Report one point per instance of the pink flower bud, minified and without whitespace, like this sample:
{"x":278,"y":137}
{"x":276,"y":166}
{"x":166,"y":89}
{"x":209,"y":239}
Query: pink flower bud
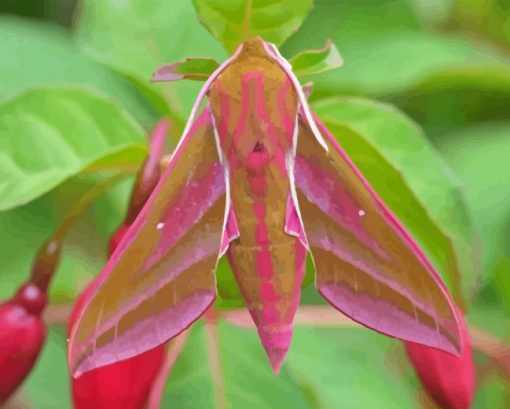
{"x":448,"y":379}
{"x":22,"y":335}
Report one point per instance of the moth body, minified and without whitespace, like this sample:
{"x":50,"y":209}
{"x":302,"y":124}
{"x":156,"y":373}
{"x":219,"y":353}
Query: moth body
{"x":254,"y":106}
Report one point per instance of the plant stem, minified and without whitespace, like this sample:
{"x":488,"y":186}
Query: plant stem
{"x":211,"y":334}
{"x":174,"y":351}
{"x":318,"y":317}
{"x":47,"y":259}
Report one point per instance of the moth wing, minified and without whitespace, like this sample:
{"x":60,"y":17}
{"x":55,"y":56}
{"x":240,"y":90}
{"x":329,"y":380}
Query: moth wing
{"x":161,"y":277}
{"x":367,"y":265}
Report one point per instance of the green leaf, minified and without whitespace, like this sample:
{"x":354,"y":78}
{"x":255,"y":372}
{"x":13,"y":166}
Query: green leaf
{"x":492,"y":320}
{"x":230,"y":295}
{"x":325,"y":368}
{"x":485,"y":18}
{"x":386,"y":56}
{"x":190,"y":383}
{"x":412,"y":179}
{"x":22,"y":231}
{"x":246,"y":377}
{"x":392,"y":63}
{"x":49,"y":135}
{"x":190,"y":68}
{"x":25,"y":228}
{"x":310,"y":62}
{"x":469,"y":94}
{"x":36,"y":54}
{"x":494,"y":391}
{"x":78,"y":202}
{"x":433,"y":12}
{"x":227,"y":285}
{"x":479,"y":155}
{"x":349,"y":368}
{"x":48,"y":386}
{"x":234,"y":21}
{"x":135,"y":37}
{"x":351,"y":20}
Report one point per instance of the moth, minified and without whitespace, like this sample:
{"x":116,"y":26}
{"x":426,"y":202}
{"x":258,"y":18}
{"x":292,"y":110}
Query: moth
{"x":258,"y":177}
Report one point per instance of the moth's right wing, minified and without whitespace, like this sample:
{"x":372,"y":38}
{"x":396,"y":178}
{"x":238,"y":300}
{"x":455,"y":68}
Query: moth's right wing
{"x":367,"y":265}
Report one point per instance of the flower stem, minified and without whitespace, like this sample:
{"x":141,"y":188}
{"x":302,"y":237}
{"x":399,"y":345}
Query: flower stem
{"x":47,"y":259}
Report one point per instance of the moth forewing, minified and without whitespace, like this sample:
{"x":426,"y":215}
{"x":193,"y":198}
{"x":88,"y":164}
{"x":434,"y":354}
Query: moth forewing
{"x":161,"y":278}
{"x":367,"y":265}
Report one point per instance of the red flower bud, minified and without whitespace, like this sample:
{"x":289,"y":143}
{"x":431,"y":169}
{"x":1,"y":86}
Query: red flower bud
{"x":448,"y":379}
{"x":22,"y":335}
{"x":123,"y":385}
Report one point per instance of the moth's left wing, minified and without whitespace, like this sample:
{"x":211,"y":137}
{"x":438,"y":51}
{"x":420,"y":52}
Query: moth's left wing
{"x":367,"y":265}
{"x":161,"y":277}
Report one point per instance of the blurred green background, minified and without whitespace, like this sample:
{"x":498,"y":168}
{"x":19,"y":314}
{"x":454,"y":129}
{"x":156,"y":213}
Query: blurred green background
{"x":422,"y":104}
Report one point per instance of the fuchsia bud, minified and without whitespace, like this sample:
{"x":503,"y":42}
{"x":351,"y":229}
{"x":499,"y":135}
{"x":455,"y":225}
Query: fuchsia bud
{"x":22,"y":335}
{"x":149,"y":174}
{"x":123,"y":385}
{"x":448,"y":379}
